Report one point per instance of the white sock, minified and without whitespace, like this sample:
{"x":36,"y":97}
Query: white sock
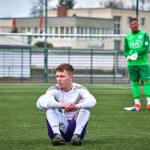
{"x":137,"y":101}
{"x":53,"y":120}
{"x":81,"y":121}
{"x":63,"y":123}
{"x":148,"y":100}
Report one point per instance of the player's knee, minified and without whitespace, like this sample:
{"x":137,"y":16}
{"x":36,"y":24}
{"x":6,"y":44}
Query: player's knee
{"x":51,"y":110}
{"x":85,"y":111}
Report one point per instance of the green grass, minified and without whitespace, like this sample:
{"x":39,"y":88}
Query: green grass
{"x":23,"y":126}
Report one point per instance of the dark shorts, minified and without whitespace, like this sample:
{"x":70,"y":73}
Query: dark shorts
{"x":138,"y":72}
{"x":69,"y":133}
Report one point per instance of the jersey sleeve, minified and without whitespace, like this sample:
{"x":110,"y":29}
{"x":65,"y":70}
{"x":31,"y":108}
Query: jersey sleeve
{"x":89,"y":102}
{"x":126,"y":49}
{"x":48,"y":100}
{"x":145,"y":48}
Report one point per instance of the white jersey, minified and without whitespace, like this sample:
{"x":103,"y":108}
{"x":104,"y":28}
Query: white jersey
{"x":55,"y":96}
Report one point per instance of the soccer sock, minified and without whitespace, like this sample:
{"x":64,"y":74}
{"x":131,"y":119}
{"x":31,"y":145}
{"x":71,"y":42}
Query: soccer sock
{"x":148,"y":100}
{"x":63,"y":123}
{"x":53,"y":120}
{"x":135,"y":90}
{"x":137,"y":101}
{"x":147,"y":88}
{"x":81,"y":121}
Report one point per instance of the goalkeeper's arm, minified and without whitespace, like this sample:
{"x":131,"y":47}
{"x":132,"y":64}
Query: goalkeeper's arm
{"x":126,"y":49}
{"x":145,"y":48}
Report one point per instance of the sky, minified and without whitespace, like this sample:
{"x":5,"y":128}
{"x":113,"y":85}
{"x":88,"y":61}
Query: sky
{"x":21,"y":8}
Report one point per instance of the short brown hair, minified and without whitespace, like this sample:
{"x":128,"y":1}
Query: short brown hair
{"x":65,"y":66}
{"x":133,"y":19}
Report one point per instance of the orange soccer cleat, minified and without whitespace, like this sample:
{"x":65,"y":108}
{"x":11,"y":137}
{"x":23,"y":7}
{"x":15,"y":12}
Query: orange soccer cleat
{"x":148,"y":107}
{"x":137,"y":106}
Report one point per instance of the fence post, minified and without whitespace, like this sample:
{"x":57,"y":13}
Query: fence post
{"x":22,"y":65}
{"x":115,"y":65}
{"x":45,"y":48}
{"x":69,"y":56}
{"x":91,"y":78}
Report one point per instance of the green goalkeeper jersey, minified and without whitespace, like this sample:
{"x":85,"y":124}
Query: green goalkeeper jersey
{"x":138,"y":42}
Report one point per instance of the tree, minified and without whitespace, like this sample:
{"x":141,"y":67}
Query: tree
{"x":38,"y":8}
{"x":114,"y":4}
{"x":143,"y":5}
{"x":69,"y":3}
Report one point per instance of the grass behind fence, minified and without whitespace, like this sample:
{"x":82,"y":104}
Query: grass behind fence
{"x":23,"y":126}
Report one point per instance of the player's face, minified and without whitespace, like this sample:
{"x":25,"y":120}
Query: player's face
{"x":134,"y":25}
{"x":64,"y":80}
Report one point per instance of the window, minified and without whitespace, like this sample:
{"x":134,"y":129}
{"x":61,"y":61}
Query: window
{"x":67,"y":30}
{"x":28,"y":29}
{"x":51,"y":30}
{"x":116,"y":25}
{"x":35,"y":30}
{"x":128,"y":20}
{"x":86,"y":30}
{"x":78,"y":30}
{"x":56,"y":30}
{"x":90,"y":30}
{"x":117,"y":45}
{"x":62,"y":30}
{"x":22,"y":30}
{"x":142,"y":21}
{"x":82,"y":30}
{"x":72,"y":30}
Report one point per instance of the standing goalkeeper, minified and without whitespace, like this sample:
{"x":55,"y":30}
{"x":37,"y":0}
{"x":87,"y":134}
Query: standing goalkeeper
{"x":136,"y":47}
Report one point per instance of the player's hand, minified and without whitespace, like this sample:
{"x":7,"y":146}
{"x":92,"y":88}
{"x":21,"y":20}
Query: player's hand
{"x":72,"y":109}
{"x":134,"y":56}
{"x":128,"y":58}
{"x":67,"y":106}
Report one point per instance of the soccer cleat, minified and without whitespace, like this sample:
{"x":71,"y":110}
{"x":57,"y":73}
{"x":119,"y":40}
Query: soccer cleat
{"x":76,"y":140}
{"x":148,"y":107}
{"x":58,"y":140}
{"x":138,"y":106}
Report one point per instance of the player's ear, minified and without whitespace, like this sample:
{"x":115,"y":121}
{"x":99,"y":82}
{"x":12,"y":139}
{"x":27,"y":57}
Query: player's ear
{"x":71,"y":76}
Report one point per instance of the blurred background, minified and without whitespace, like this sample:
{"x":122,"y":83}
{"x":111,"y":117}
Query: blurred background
{"x":38,"y":35}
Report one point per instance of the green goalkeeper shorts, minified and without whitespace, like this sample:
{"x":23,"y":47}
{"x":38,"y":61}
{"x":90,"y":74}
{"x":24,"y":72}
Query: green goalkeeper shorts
{"x":138,"y":72}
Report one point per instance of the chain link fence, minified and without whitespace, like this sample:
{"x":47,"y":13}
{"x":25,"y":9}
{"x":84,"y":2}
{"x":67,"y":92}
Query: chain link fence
{"x":25,"y":64}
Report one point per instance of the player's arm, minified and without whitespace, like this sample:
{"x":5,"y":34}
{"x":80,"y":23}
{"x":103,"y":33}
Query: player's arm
{"x":126,"y":48}
{"x":89,"y":102}
{"x":145,"y":48}
{"x":47,"y":100}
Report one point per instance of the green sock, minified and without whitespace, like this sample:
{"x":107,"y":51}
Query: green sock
{"x":135,"y":89}
{"x":147,"y":88}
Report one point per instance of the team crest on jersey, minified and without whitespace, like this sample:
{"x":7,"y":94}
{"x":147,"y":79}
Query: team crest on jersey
{"x":146,"y":43}
{"x":140,"y":36}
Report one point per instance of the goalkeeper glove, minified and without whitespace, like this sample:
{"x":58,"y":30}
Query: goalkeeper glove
{"x":128,"y":58}
{"x":134,"y":56}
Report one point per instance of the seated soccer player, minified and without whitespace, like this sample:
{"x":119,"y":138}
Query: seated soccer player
{"x":67,"y":106}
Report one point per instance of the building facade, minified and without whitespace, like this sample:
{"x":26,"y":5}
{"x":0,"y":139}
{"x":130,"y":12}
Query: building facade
{"x":120,"y":18}
{"x":82,"y":28}
{"x":69,"y":31}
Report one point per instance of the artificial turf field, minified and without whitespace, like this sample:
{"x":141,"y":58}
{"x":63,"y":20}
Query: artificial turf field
{"x":23,"y":126}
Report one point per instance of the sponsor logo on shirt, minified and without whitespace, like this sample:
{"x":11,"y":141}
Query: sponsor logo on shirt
{"x":136,"y":44}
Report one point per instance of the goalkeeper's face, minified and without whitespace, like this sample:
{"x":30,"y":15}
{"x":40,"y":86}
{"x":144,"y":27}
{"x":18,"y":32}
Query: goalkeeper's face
{"x":64,"y":80}
{"x":134,"y":26}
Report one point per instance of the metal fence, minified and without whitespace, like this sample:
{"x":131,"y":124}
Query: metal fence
{"x":26,"y":65}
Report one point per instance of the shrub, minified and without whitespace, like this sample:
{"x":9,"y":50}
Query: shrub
{"x":42,"y":44}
